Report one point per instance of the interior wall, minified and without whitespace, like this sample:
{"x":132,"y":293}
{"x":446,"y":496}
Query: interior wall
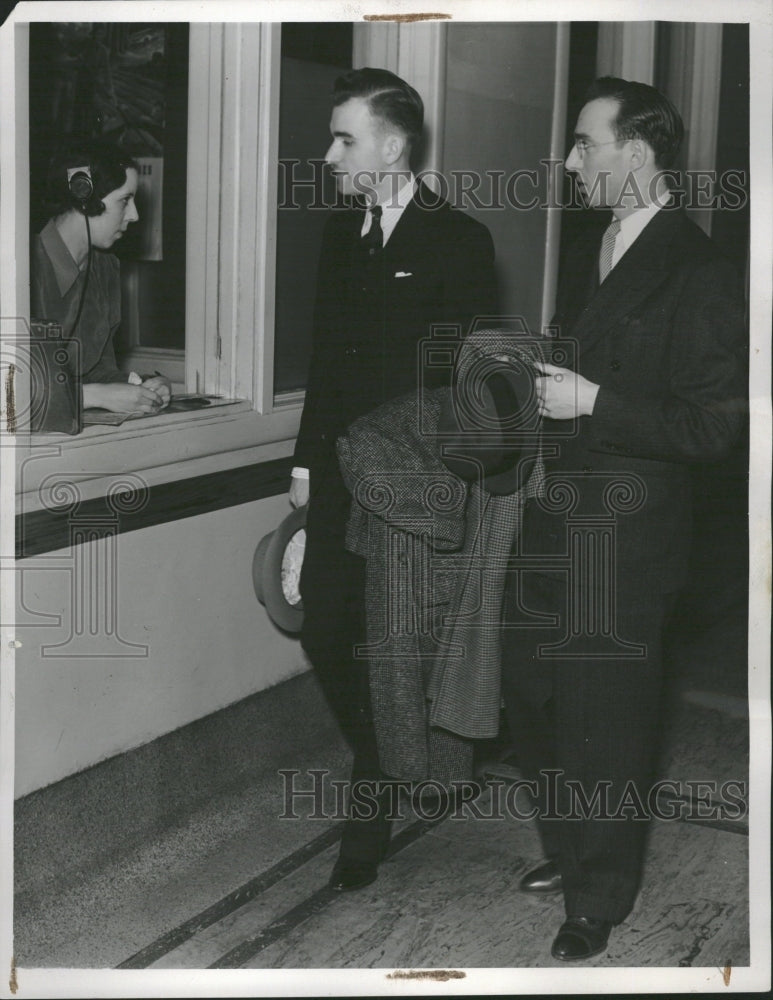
{"x":184,"y":590}
{"x":499,"y":107}
{"x":730,"y":223}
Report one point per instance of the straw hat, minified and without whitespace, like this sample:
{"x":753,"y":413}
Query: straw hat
{"x":276,"y":570}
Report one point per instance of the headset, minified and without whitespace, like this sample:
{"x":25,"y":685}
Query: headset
{"x":80,"y":184}
{"x":81,"y":189}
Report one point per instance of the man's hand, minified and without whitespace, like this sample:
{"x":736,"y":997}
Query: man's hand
{"x":299,"y":491}
{"x":160,"y":385}
{"x":122,"y":397}
{"x":563,"y":394}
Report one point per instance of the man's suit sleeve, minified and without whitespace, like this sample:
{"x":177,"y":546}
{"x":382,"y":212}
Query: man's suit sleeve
{"x":310,"y":433}
{"x":700,"y":412}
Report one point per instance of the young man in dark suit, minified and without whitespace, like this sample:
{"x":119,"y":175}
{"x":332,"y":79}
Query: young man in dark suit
{"x":651,"y":315}
{"x":389,"y":270}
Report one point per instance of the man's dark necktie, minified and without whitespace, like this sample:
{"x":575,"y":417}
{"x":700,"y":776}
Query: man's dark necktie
{"x":373,"y":240}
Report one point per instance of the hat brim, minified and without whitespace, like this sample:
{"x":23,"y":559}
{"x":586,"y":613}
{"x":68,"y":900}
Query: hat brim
{"x":267,"y":573}
{"x":512,"y":472}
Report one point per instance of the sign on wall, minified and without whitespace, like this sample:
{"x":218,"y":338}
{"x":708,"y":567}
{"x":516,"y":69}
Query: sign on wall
{"x":149,"y":200}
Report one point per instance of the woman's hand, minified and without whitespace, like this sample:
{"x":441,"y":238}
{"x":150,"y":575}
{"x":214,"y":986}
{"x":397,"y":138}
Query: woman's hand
{"x":122,"y":397}
{"x":161,"y":385}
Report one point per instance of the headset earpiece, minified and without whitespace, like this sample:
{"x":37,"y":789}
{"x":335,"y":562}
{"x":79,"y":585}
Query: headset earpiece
{"x":81,"y":186}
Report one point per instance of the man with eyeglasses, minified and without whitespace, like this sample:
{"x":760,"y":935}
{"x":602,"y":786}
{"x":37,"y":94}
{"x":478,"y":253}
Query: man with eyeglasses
{"x":651,"y":317}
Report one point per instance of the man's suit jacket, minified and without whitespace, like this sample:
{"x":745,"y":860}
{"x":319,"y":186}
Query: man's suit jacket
{"x":371,"y":316}
{"x":436,"y":268}
{"x":663,"y":337}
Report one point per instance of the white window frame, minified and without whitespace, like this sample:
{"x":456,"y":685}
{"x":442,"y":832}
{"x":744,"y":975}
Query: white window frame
{"x":230,"y":280}
{"x":233,"y":140}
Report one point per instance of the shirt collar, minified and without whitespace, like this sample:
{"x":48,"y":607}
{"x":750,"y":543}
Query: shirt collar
{"x":65,"y":269}
{"x":632,"y":225}
{"x":392,"y":207}
{"x":396,"y":201}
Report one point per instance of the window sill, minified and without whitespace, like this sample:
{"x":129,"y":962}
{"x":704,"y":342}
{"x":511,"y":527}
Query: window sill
{"x":52,"y":468}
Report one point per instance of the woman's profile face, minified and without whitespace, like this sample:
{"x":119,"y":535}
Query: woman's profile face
{"x":120,"y":211}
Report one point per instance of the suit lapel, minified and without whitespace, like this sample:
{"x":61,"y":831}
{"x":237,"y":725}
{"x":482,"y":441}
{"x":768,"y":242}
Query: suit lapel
{"x":347,"y":241}
{"x":578,"y":279}
{"x":640,"y":271}
{"x":410,"y":231}
{"x":407,"y":236}
{"x":353,"y":226}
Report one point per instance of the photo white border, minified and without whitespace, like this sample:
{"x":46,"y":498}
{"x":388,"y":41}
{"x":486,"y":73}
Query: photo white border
{"x":576,"y":979}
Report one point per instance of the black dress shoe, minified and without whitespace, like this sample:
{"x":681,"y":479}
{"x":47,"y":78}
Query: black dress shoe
{"x":350,"y":875}
{"x":546,"y":878}
{"x":581,"y":937}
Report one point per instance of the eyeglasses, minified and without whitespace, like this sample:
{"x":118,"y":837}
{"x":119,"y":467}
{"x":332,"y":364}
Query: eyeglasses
{"x":583,"y":145}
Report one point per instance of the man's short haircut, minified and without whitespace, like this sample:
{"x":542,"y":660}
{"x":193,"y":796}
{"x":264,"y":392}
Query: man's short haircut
{"x":389,"y":98}
{"x":643,"y":113}
{"x":107,"y":164}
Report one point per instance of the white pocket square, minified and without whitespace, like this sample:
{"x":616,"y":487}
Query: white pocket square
{"x":403,"y":274}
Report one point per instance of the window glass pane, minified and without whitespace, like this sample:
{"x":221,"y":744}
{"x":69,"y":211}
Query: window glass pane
{"x":313,"y":55}
{"x":161,"y":282}
{"x":128,"y":84}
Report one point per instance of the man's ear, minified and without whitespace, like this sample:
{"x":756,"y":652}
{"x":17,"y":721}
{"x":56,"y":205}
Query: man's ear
{"x":639,"y":152}
{"x":394,"y":146}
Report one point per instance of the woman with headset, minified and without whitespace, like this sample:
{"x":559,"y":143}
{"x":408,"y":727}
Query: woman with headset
{"x":77,"y":284}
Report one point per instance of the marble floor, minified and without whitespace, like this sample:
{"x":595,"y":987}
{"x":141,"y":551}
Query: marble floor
{"x":449,"y":898}
{"x":236,"y":886}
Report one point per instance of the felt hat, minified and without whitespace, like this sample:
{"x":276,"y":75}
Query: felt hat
{"x":276,"y":568}
{"x":489,"y":424}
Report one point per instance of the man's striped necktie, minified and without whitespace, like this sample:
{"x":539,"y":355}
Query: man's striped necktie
{"x":608,"y":248}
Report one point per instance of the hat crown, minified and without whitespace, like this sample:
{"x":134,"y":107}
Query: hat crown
{"x":489,"y":424}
